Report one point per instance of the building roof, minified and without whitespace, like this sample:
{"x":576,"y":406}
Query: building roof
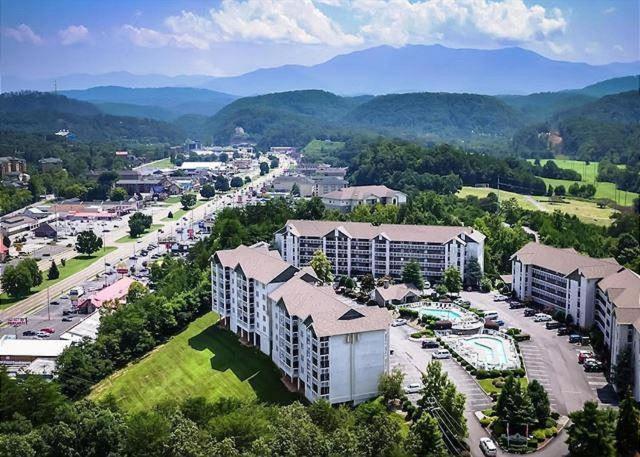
{"x":362,"y":193}
{"x":393,"y":232}
{"x":16,"y":220}
{"x":116,"y":291}
{"x":565,"y":261}
{"x":320,"y":308}
{"x":257,"y":261}
{"x":153,"y":181}
{"x":397,"y":291}
{"x":623,"y":290}
{"x":11,"y":347}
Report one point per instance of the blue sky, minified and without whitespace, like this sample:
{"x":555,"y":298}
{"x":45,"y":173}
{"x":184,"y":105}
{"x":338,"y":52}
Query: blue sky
{"x":42,"y":38}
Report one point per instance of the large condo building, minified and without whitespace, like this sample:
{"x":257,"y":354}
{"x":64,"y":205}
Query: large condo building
{"x":592,"y":291}
{"x":347,"y":198}
{"x":326,"y":348}
{"x":561,"y":279}
{"x":358,"y":248}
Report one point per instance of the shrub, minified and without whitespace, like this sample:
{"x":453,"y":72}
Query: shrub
{"x":406,"y":405}
{"x":469,"y":368}
{"x":486,"y":421}
{"x":482,"y":374}
{"x":494,"y":373}
{"x":408,"y":313}
{"x":539,"y":435}
{"x":555,"y":415}
{"x":473,"y":372}
{"x":532,"y":443}
{"x":416,"y":335}
{"x":498,"y":382}
{"x":513,"y":331}
{"x":521,"y":337}
{"x":551,"y":431}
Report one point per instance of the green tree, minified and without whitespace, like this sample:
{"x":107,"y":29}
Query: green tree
{"x":367,"y":283}
{"x":118,"y":194}
{"x":425,"y":438}
{"x":137,"y":291}
{"x":34,"y":270}
{"x":592,"y":432}
{"x":275,"y":163}
{"x":208,"y":191}
{"x":264,"y":168}
{"x":540,"y":401}
{"x":628,"y":428}
{"x":322,"y":266}
{"x":412,"y":274}
{"x":87,"y":242}
{"x":16,"y":280}
{"x":452,"y":280}
{"x":560,"y":191}
{"x":53,"y":272}
{"x":390,"y":384}
{"x":236,"y":181}
{"x":247,"y":179}
{"x":312,"y":209}
{"x":188,"y":200}
{"x":139,"y":223}
{"x":514,"y":404}
{"x":295,"y":190}
{"x":222,"y":183}
{"x":473,"y":272}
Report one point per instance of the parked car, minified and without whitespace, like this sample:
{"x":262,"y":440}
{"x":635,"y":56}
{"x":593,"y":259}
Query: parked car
{"x":575,"y":338}
{"x":584,"y":355}
{"x":585,"y":341}
{"x":441,"y":354}
{"x":48,"y":330}
{"x":563,"y":331}
{"x":42,"y":334}
{"x":430,"y":344}
{"x":398,"y":322}
{"x":54,"y":302}
{"x":488,"y":447}
{"x":28,"y":333}
{"x":493,"y":315}
{"x":501,"y":298}
{"x":593,"y":365}
{"x":541,"y":317}
{"x":500,"y":322}
{"x":413,"y":388}
{"x":67,"y":319}
{"x":530,"y":312}
{"x":552,"y":325}
{"x":515,"y":305}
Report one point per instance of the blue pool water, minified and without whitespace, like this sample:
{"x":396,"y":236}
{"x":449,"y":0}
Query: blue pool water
{"x":443,"y":314}
{"x":491,"y":350}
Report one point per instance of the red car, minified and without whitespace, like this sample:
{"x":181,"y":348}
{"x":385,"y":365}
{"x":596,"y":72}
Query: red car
{"x":584,"y":355}
{"x":48,"y":330}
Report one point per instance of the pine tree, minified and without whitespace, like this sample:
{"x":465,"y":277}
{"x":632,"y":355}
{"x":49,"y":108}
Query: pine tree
{"x":53,"y":272}
{"x":628,"y":428}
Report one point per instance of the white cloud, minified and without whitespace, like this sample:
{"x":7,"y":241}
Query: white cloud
{"x":73,"y":34}
{"x":282,"y":21}
{"x":617,"y":47}
{"x":22,"y":34}
{"x":402,"y":21}
{"x":610,"y":10}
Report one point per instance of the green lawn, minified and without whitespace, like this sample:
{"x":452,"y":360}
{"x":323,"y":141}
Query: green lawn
{"x":72,"y":266}
{"x":204,"y":360}
{"x":320,"y":150}
{"x":181,"y":212}
{"x":603,"y":190}
{"x":129,"y":238}
{"x":587,"y":211}
{"x":489,"y":388}
{"x":164,"y":163}
{"x":173,"y":199}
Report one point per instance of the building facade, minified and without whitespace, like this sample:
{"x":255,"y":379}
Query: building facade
{"x":560,"y":279}
{"x":358,"y":248}
{"x":324,"y":347}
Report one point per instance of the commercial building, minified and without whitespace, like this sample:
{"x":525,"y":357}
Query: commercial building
{"x":50,"y":164}
{"x":358,"y":248}
{"x":325,"y":348}
{"x":14,"y":350}
{"x":348,"y":198}
{"x":284,"y":184}
{"x":560,"y":279}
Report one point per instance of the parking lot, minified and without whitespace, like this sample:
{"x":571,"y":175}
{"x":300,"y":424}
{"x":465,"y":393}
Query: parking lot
{"x":550,"y":359}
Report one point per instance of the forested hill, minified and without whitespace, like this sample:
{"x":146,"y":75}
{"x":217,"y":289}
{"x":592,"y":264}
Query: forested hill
{"x":623,"y":108}
{"x":437,"y":116}
{"x":46,"y":113}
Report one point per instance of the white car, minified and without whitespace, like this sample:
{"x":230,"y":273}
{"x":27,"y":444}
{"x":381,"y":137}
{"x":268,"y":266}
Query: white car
{"x":541,"y":317}
{"x":413,"y":388}
{"x":488,"y":447}
{"x":399,"y":322}
{"x":441,"y":354}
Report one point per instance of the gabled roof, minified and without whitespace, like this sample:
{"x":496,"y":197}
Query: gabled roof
{"x":319,"y":307}
{"x":362,"y":193}
{"x":623,"y":290}
{"x":393,"y":232}
{"x":397,"y":291}
{"x":256,"y":262}
{"x":565,"y":261}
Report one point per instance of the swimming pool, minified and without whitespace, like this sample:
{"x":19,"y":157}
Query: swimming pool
{"x":487,"y":351}
{"x":442,"y":313}
{"x":490,"y":349}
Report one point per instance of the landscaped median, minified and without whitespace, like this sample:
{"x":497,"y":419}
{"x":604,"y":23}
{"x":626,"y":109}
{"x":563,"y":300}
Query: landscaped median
{"x":71,"y":267}
{"x":181,"y":212}
{"x":130,"y":239}
{"x":204,"y":360}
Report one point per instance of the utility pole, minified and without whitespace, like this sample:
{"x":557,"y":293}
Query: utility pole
{"x":48,"y":306}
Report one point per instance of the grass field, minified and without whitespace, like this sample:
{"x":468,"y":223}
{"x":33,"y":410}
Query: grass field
{"x":588,"y":172}
{"x":129,"y":238}
{"x":204,"y":360}
{"x":489,"y":388}
{"x":181,"y":212}
{"x":587,"y":211}
{"x":164,"y":163}
{"x":72,"y":266}
{"x":603,"y":190}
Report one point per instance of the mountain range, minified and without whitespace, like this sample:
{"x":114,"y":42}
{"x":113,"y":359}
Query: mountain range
{"x":378,"y":70}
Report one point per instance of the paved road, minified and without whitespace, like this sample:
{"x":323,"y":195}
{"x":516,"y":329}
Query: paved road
{"x":37,"y":301}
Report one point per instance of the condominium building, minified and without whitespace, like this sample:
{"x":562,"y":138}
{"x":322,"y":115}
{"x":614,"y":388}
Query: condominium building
{"x":358,"y":248}
{"x":560,"y":279}
{"x":330,"y":350}
{"x":326,"y":348}
{"x":617,"y":315}
{"x":349,"y":197}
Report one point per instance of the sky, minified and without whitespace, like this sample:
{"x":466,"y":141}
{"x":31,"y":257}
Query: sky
{"x":43,"y":38}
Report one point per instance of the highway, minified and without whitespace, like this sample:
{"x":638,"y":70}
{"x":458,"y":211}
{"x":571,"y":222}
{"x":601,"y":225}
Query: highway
{"x":37,"y":301}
